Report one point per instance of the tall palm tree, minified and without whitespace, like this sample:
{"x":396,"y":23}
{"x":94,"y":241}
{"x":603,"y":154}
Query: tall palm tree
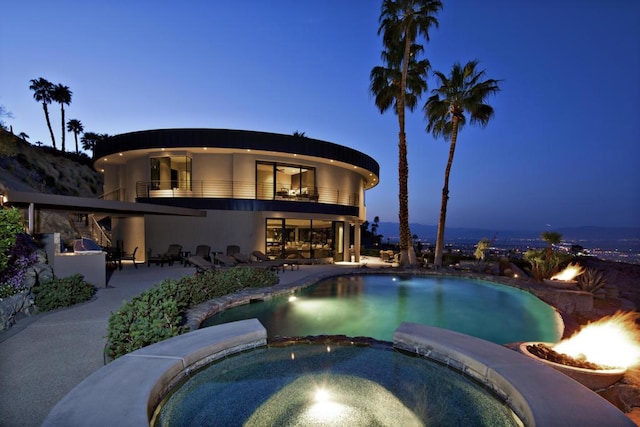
{"x":461,"y":94}
{"x":402,"y":22}
{"x":62,"y":94}
{"x":75,"y":126}
{"x":42,"y":89}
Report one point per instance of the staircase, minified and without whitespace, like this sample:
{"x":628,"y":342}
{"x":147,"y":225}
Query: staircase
{"x":86,"y":225}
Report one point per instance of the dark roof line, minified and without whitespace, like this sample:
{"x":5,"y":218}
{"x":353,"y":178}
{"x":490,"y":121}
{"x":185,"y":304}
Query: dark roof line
{"x":233,"y":139}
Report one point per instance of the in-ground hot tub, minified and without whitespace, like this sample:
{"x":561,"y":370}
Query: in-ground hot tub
{"x":128,"y":390}
{"x":331,"y":382}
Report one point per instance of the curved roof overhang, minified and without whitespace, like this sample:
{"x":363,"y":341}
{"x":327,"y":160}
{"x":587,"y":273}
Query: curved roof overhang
{"x":119,"y":148}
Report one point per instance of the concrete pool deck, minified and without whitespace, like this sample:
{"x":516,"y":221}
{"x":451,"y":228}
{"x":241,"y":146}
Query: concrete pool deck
{"x":44,"y":357}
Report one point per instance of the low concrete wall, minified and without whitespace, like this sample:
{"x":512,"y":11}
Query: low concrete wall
{"x":127,"y":390}
{"x":91,"y":265}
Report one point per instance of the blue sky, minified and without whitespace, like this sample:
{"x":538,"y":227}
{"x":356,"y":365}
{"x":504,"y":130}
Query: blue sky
{"x":562,"y":150}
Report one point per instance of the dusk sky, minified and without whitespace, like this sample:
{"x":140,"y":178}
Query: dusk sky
{"x":562,"y":150}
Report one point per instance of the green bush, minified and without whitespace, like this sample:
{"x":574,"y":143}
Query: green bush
{"x":11,"y":224}
{"x":545,"y":264}
{"x":62,"y":292}
{"x":158,"y":313}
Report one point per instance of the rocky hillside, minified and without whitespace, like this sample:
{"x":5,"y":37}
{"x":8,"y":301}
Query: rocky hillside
{"x":24,"y":167}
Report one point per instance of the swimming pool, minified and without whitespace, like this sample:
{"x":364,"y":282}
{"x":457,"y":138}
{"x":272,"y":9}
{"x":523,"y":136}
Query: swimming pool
{"x":374,"y":306}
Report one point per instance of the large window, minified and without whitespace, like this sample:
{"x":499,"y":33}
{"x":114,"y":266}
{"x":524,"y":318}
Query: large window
{"x":299,"y":238}
{"x":285,"y":182}
{"x":169,"y":173}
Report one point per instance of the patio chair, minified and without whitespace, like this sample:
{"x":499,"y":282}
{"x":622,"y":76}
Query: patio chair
{"x":129,"y":257}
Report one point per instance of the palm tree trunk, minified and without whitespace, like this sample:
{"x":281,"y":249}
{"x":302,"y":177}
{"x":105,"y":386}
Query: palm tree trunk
{"x":75,"y":134}
{"x":403,"y":167}
{"x":445,"y":195}
{"x":63,"y":129}
{"x":46,"y":115}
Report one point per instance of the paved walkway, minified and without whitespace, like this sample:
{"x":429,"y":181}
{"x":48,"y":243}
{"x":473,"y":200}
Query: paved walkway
{"x":45,"y":356}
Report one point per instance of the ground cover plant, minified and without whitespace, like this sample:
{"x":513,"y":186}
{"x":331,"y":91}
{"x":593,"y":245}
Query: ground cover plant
{"x":159,"y":313}
{"x":62,"y":292}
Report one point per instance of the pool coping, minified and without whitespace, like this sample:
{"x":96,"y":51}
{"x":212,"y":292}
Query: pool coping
{"x":127,"y":391}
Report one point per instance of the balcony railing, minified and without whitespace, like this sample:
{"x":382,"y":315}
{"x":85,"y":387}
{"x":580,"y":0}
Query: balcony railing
{"x":244,"y":190}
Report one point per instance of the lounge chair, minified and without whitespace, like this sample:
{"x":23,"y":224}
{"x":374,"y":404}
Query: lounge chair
{"x":232,"y":250}
{"x":242,"y":258}
{"x":264,"y":261}
{"x":203,"y":251}
{"x":173,"y":253}
{"x":226,"y":260}
{"x":201,"y":264}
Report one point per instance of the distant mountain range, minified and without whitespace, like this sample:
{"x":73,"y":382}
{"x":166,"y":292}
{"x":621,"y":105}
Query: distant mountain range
{"x":428,"y":233}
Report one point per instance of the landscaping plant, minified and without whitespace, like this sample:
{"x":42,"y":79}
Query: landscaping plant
{"x":17,"y":252}
{"x":62,"y":292}
{"x":159,"y":313}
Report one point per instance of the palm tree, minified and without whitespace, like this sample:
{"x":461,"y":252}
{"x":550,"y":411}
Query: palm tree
{"x":23,"y":136}
{"x":459,"y":94}
{"x":62,"y":94}
{"x":551,"y":238}
{"x":42,"y":89}
{"x":75,"y":126}
{"x":401,"y":83}
{"x":90,"y":139}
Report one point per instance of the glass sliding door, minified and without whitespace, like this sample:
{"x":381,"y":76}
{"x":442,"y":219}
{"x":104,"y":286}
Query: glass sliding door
{"x":170,"y":173}
{"x":300,"y":238}
{"x":274,"y":238}
{"x":282,"y":181}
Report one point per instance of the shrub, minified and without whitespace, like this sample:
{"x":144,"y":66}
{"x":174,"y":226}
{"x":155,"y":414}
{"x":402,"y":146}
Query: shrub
{"x":62,"y":292}
{"x":545,"y":264}
{"x":11,"y":224}
{"x":592,"y":280}
{"x":158,"y":313}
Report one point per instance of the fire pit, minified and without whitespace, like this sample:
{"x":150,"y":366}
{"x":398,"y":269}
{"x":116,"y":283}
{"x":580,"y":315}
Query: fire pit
{"x":566,"y":278}
{"x":598,"y":355}
{"x":593,"y":378}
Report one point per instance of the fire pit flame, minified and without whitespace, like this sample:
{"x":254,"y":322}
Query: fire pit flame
{"x":570,"y":273}
{"x":612,"y":341}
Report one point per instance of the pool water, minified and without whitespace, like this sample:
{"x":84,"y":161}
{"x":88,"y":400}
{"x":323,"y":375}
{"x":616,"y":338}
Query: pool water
{"x":329,"y":384}
{"x":375,"y":305}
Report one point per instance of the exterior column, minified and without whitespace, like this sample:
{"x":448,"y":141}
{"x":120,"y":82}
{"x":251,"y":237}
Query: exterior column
{"x":357,"y":234}
{"x":32,"y":220}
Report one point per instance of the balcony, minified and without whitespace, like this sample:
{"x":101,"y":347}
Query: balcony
{"x":213,"y":189}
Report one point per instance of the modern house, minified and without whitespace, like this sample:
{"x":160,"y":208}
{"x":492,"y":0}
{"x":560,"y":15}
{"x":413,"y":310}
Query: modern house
{"x":288,"y":196}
